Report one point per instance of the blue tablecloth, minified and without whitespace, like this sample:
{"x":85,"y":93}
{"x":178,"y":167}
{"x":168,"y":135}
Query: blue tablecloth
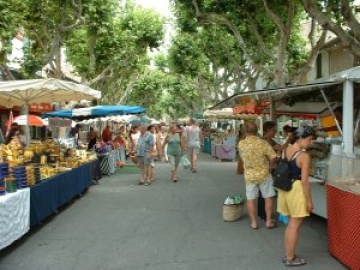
{"x":48,"y":196}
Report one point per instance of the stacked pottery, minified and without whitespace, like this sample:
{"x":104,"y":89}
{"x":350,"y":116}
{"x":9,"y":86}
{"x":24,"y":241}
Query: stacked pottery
{"x":30,"y":177}
{"x":19,"y":174}
{"x":4,"y":172}
{"x":11,"y":185}
{"x":37,"y":174}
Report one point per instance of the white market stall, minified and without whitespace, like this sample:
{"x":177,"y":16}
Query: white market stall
{"x":335,"y":179}
{"x":15,"y":205}
{"x":25,"y":92}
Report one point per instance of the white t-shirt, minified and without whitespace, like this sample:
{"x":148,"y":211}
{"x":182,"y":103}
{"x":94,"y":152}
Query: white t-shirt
{"x":135,"y":139}
{"x":193,"y":136}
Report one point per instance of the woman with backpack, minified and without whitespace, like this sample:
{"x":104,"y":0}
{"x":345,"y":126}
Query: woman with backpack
{"x":297,"y":202}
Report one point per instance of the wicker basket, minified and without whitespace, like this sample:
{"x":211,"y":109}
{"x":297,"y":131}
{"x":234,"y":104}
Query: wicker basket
{"x":232,"y":212}
{"x":134,"y":159}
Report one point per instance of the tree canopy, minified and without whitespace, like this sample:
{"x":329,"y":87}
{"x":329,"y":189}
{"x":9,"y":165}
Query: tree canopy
{"x":219,"y":47}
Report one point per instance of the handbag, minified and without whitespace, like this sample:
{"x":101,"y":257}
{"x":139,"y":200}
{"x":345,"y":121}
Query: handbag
{"x":185,"y":162}
{"x":281,"y":173}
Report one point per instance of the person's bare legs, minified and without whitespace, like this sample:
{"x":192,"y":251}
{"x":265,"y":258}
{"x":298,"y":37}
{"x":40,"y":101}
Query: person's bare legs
{"x":291,"y":236}
{"x":142,"y":173}
{"x":147,"y":173}
{"x":194,"y":159}
{"x":269,"y":202}
{"x":151,"y":173}
{"x":251,"y":206}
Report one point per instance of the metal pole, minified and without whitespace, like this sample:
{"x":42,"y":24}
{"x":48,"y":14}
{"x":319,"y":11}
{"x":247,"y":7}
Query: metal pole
{"x":331,"y":111}
{"x":348,"y":118}
{"x":27,"y":127}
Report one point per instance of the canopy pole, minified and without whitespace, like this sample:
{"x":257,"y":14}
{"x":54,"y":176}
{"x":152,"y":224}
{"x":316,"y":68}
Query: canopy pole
{"x":27,"y":127}
{"x":272,"y":109}
{"x":348,"y":118}
{"x":331,"y":111}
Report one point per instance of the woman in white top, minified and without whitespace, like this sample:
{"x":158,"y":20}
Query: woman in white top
{"x":162,"y":136}
{"x":193,"y":143}
{"x":135,"y":135}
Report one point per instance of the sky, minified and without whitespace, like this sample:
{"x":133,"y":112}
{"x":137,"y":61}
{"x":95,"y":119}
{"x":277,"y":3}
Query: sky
{"x":161,"y":6}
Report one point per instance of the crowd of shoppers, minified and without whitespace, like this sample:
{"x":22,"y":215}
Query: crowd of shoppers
{"x":259,"y":155}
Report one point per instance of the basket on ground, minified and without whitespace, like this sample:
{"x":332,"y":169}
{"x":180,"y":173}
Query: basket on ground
{"x":232,"y":212}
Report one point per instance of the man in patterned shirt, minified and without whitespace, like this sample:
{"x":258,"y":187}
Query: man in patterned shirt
{"x":257,"y":154}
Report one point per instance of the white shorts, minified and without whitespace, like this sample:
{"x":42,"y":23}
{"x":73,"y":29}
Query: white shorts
{"x":266,"y":188}
{"x":195,"y":150}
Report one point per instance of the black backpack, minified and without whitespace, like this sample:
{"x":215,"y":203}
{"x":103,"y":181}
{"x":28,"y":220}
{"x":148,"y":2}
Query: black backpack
{"x":282,"y":172}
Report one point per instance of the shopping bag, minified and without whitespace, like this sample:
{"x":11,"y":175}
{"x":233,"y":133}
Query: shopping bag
{"x":185,"y":162}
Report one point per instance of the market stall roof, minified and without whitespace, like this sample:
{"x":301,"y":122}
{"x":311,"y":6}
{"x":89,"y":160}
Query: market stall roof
{"x":276,"y":94}
{"x":21,"y":92}
{"x":302,"y":108}
{"x":97,"y":111}
{"x":25,"y":92}
{"x":352,"y":74}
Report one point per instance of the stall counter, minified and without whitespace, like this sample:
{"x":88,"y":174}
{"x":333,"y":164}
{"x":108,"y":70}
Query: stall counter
{"x":343,"y":225}
{"x":48,"y":196}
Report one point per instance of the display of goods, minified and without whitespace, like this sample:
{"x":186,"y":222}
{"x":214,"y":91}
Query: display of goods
{"x":2,"y":190}
{"x":2,"y":186}
{"x":28,"y":155}
{"x":43,"y":160}
{"x":102,"y":148}
{"x":4,"y":169}
{"x":10,"y":184}
{"x":53,"y":158}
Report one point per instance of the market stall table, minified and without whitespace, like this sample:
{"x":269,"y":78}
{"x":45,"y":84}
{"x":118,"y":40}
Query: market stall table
{"x":48,"y":196}
{"x":207,"y":145}
{"x":225,"y":151}
{"x":14,"y":216}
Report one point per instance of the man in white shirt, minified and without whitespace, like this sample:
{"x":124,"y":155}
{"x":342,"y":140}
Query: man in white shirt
{"x":193,"y":134}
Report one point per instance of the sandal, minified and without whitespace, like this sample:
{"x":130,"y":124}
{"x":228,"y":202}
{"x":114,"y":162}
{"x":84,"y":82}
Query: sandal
{"x":272,"y":226}
{"x":254,"y":227}
{"x":296,"y":261}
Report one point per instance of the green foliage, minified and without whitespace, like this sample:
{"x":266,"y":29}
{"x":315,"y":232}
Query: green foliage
{"x":111,"y":54}
{"x":10,"y":23}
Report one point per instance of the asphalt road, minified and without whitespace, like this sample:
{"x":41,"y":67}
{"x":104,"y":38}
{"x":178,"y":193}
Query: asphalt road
{"x":119,"y":225}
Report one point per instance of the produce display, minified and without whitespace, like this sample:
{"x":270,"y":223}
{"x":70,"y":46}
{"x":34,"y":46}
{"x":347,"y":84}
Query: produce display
{"x":38,"y":162}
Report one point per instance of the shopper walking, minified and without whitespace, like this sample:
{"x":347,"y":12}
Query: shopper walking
{"x":119,"y":144}
{"x":145,"y":144}
{"x":193,"y":143}
{"x":106,"y":134}
{"x":257,"y":154}
{"x":153,"y":152}
{"x":92,"y":137}
{"x":296,"y":203}
{"x":175,"y":149}
{"x":162,"y":136}
{"x":134,"y":138}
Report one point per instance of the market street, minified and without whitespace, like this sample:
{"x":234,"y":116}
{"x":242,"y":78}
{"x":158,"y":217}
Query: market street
{"x":120,"y":225}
